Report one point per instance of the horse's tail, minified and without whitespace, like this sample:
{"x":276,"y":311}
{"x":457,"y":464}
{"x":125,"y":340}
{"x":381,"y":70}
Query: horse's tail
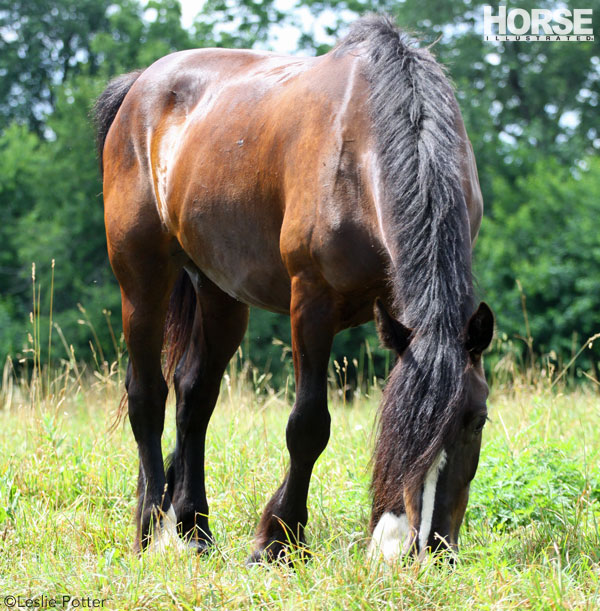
{"x":415,"y":117}
{"x":107,"y":105}
{"x":179,"y":322}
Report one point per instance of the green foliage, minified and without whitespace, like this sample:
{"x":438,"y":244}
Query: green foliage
{"x":20,"y":165}
{"x":227,"y":23}
{"x":542,"y":232}
{"x":530,"y":109}
{"x":268,"y":342}
{"x":511,"y":490}
{"x":46,"y":43}
{"x":132,"y":41}
{"x":43,"y":44}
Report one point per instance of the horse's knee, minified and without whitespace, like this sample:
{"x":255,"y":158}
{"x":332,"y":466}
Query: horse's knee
{"x":307,"y":432}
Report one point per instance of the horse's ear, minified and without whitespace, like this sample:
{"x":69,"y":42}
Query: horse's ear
{"x":393,"y":334}
{"x":480,"y":330}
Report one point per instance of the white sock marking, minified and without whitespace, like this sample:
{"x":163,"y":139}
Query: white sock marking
{"x":429,"y":489}
{"x":391,"y":537}
{"x":166,"y":534}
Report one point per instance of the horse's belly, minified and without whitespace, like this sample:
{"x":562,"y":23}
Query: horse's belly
{"x":255,"y":285}
{"x":238,"y":249}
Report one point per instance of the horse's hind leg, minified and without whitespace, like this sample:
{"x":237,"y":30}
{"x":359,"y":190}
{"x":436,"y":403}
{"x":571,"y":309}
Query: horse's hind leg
{"x":141,"y":255}
{"x":219,"y":326}
{"x":313,"y":326}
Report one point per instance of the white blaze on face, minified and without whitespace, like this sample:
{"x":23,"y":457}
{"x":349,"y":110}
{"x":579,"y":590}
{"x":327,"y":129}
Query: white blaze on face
{"x":392,"y":535}
{"x":428,"y":503}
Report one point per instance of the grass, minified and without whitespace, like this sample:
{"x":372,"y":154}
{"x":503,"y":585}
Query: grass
{"x":530,"y":539}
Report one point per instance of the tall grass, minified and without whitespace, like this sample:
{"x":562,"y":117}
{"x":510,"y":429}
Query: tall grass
{"x":67,"y":485}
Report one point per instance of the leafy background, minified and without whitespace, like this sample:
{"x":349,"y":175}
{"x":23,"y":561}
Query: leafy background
{"x":531,"y":111}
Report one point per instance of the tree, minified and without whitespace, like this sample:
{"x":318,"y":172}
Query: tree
{"x":133,"y":41}
{"x":43,"y":43}
{"x":547,"y":239}
{"x":227,"y":23}
{"x":20,"y":164}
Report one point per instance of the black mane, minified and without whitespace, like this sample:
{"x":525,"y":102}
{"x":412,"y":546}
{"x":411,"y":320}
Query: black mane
{"x":414,"y":110}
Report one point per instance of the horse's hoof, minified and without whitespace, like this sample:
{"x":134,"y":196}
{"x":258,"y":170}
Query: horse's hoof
{"x":201,"y":546}
{"x":276,"y":551}
{"x":256,"y":557}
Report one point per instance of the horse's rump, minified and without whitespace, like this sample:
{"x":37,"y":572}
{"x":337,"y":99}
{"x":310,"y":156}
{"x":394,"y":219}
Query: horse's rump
{"x":257,"y":156}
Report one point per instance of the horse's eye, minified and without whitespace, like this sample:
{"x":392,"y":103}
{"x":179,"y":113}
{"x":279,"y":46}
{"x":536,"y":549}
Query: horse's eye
{"x":479,"y":425}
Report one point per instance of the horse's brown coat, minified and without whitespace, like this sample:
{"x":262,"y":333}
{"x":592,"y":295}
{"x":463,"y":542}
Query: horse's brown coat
{"x":259,"y":175}
{"x":261,"y":158}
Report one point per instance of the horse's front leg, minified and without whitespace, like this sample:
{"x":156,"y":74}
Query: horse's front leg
{"x":313,"y":326}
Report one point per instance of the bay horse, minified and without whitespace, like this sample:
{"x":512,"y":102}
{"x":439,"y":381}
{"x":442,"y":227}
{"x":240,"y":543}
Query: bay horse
{"x":333,"y":188}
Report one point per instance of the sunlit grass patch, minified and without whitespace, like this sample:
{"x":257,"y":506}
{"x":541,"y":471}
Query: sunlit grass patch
{"x":530,"y":537}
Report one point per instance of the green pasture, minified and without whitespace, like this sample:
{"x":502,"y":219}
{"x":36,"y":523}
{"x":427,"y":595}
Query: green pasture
{"x":67,"y":477}
{"x":67,"y":487}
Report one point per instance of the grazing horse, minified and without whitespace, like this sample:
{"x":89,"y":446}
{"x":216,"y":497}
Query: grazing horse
{"x":331,"y":188}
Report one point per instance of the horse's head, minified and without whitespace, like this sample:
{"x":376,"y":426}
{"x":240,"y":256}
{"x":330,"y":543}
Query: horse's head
{"x":430,"y":426}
